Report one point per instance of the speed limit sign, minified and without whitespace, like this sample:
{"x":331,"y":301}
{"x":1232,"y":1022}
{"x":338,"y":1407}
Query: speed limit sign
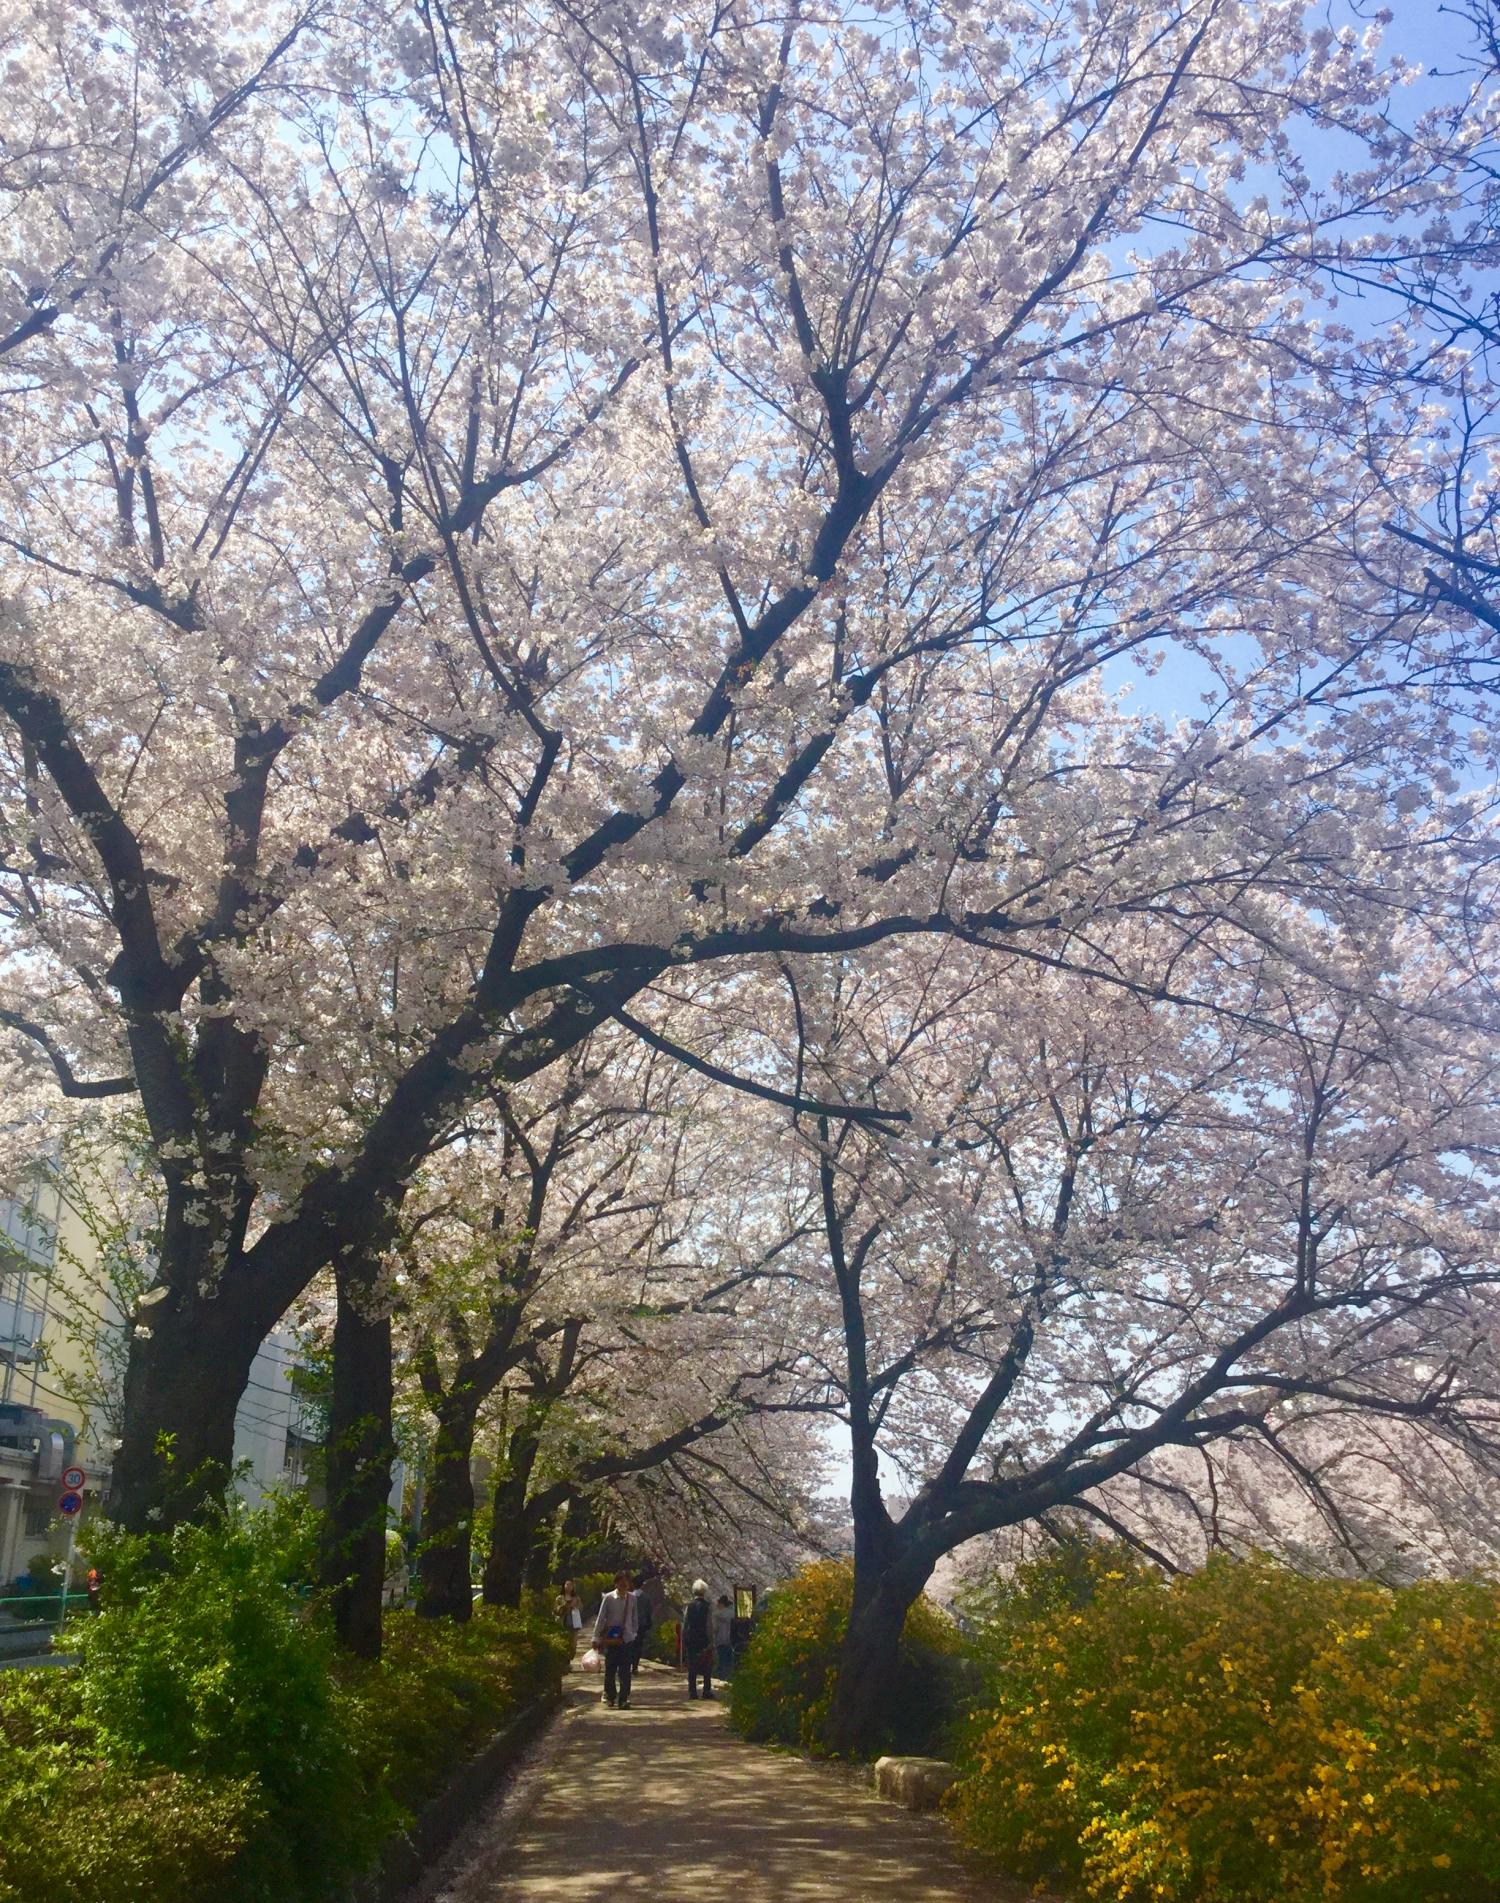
{"x":74,"y":1480}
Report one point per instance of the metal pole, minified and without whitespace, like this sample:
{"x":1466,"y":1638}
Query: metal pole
{"x":62,"y":1618}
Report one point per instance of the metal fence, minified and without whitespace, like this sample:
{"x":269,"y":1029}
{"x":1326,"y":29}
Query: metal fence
{"x":36,"y":1614}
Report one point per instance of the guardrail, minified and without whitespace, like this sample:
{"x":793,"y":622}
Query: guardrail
{"x":39,"y":1611}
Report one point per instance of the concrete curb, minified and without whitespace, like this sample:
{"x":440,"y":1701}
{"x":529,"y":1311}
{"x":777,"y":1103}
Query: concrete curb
{"x":441,"y":1819}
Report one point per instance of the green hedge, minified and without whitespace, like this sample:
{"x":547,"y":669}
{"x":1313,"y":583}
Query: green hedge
{"x":441,"y":1690}
{"x":662,"y":1639}
{"x":214,"y":1746}
{"x":74,"y":1824}
{"x":783,"y":1681}
{"x":1240,"y":1735}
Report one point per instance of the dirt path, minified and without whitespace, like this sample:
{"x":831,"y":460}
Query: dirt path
{"x":663,"y":1802}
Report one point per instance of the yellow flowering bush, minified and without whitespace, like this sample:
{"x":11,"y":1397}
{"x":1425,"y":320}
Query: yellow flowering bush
{"x":783,"y":1684}
{"x":1238,"y":1735}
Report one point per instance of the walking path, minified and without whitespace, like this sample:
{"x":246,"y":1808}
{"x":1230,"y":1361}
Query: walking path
{"x":663,"y":1802}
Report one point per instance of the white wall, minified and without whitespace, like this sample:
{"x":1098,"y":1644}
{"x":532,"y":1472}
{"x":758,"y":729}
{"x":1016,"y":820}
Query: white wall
{"x":266,"y":1412}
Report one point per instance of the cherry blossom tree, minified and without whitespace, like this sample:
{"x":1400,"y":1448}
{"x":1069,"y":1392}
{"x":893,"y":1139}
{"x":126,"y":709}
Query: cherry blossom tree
{"x":1348,"y":1492}
{"x":1423,"y":322}
{"x":113,"y":117}
{"x":606,"y":1236}
{"x":1129,"y":1245}
{"x":747,"y":1507}
{"x":582,"y":1281}
{"x":535,"y":503}
{"x":699,"y":1431}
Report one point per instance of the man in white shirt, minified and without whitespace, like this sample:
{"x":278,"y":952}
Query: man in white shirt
{"x":614,"y":1634}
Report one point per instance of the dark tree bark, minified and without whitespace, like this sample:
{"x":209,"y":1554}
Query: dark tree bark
{"x":186,"y":1373}
{"x":516,"y":1521}
{"x":443,"y":1589}
{"x":543,"y":1550}
{"x":580,"y":1532}
{"x":883,"y":1597}
{"x":361,"y":1448}
{"x":508,"y":1562}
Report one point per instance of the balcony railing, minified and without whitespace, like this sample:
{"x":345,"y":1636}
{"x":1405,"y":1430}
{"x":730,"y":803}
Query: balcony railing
{"x":25,"y":1232}
{"x":20,"y":1329}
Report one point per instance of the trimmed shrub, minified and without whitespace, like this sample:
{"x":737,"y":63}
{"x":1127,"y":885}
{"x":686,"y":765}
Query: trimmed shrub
{"x":1237,"y":1735}
{"x":441,"y":1690}
{"x":206,"y":1661}
{"x":72,"y":1824}
{"x":214,"y":1746}
{"x":783,"y":1682}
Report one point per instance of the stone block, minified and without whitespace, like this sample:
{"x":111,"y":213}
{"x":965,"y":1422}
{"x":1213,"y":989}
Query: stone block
{"x":918,"y":1783}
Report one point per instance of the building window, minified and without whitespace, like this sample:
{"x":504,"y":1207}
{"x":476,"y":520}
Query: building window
{"x":38,"y":1519}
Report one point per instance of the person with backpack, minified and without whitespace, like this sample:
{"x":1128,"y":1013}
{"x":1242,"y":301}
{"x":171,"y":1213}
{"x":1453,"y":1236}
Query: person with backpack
{"x":614,"y":1634}
{"x":698,"y":1640}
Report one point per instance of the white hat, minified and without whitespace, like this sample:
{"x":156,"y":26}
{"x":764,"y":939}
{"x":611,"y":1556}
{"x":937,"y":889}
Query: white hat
{"x":700,"y":1588}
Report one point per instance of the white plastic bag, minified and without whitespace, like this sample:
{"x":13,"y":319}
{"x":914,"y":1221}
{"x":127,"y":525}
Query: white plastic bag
{"x":591,"y":1661}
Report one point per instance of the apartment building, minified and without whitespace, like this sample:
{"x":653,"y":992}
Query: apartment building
{"x":40,"y":1429}
{"x":56,"y":1316}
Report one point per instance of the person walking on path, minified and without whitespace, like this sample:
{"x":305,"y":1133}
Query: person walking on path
{"x":614,"y":1634}
{"x":724,"y":1635}
{"x":569,"y":1612}
{"x":698,"y":1640}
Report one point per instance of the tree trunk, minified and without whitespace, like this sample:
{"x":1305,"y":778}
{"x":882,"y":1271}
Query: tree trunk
{"x":543,"y":1551}
{"x":505,"y":1564}
{"x":888,"y":1578}
{"x":193,"y":1339}
{"x":577,"y":1532}
{"x":858,"y":1713}
{"x":361,"y":1447}
{"x":513,"y":1529}
{"x":188,"y":1365}
{"x":443,"y":1590}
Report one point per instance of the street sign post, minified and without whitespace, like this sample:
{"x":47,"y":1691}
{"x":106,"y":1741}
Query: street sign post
{"x":70,"y":1504}
{"x":74,"y":1480}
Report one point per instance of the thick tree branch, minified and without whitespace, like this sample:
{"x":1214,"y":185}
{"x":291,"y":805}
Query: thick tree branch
{"x":70,"y":1083}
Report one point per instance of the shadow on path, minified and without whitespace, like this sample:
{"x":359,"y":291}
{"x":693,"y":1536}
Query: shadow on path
{"x":664,"y":1802}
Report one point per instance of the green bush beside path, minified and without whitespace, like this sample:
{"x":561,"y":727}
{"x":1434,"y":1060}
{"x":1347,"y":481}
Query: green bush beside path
{"x":214,"y":1744}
